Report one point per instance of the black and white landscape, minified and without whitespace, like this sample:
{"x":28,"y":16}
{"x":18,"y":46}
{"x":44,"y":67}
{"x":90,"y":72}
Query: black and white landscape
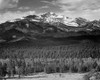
{"x":49,"y":34}
{"x":50,"y":46}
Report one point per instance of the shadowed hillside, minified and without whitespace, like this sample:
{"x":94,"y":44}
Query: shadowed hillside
{"x":74,"y":47}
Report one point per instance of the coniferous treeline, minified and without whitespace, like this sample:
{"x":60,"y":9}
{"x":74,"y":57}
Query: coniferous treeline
{"x":83,"y":50}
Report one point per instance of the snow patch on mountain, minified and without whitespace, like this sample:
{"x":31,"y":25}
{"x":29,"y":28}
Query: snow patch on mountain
{"x":52,"y":18}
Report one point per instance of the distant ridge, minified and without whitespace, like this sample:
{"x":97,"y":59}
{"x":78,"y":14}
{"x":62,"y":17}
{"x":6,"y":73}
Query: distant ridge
{"x":47,"y":26}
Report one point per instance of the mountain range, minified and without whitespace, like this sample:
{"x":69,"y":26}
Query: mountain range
{"x":48,"y":26}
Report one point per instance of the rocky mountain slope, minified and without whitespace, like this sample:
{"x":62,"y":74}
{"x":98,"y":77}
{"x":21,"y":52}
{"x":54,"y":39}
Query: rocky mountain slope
{"x":47,"y":26}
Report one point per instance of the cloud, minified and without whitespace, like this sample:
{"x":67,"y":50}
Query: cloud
{"x":89,"y":9}
{"x":50,"y":2}
{"x":8,"y":3}
{"x":88,"y":14}
{"x":14,"y":15}
{"x":44,"y":7}
{"x":46,"y":2}
{"x":24,"y":8}
{"x":75,"y":4}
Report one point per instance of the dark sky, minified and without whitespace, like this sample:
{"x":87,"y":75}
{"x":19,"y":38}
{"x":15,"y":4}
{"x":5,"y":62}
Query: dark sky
{"x":11,"y":9}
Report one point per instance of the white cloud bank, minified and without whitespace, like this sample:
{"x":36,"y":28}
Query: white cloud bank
{"x":14,"y":15}
{"x":10,"y":15}
{"x":89,"y":9}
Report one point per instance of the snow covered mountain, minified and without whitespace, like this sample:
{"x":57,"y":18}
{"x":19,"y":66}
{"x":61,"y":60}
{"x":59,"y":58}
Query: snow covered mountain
{"x":52,"y":18}
{"x":48,"y":25}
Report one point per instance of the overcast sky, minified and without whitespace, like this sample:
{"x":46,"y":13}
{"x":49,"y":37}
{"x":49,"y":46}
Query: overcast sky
{"x":11,"y":9}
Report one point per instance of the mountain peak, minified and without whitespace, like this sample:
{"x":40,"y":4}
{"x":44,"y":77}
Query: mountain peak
{"x":49,"y":14}
{"x":52,"y":18}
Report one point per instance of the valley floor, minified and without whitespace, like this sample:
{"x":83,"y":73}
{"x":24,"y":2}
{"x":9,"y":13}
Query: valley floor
{"x":55,"y":76}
